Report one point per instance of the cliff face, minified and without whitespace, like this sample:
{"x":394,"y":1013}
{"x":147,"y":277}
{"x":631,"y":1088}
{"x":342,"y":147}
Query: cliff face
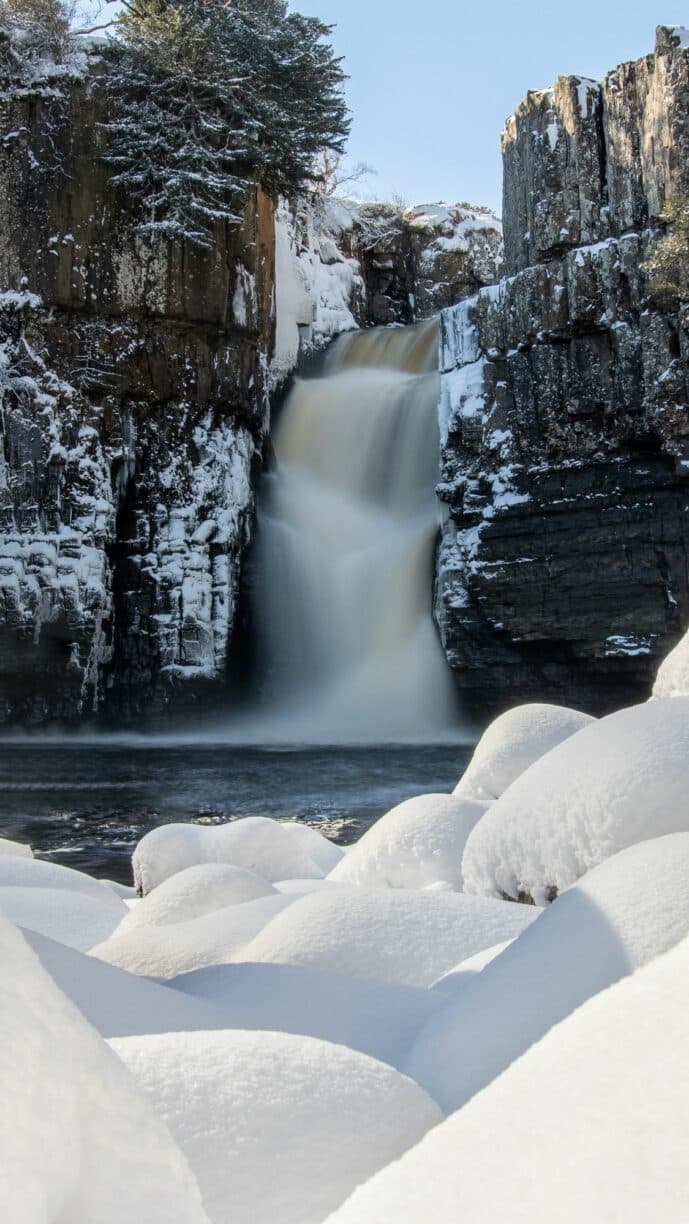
{"x":133,"y":411}
{"x":565,"y":469}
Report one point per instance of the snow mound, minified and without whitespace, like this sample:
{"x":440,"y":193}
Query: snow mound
{"x":75,"y":1134}
{"x":590,"y":1124}
{"x":194,"y":892}
{"x":673,"y":674}
{"x":619,"y":781}
{"x":71,"y":918}
{"x":321,"y":850}
{"x":617,"y":918}
{"x":180,"y":947}
{"x":417,"y":843}
{"x":407,"y":938}
{"x":456,"y":978}
{"x":276,"y":1127}
{"x":22,"y":872}
{"x":513,"y":742}
{"x":15,"y":849}
{"x":255,"y":843}
{"x":373,"y":1017}
{"x":120,"y":1004}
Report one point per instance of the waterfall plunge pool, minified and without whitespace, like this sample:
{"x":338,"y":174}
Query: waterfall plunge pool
{"x":87,"y":803}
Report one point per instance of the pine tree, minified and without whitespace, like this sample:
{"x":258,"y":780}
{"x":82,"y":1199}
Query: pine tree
{"x":209,"y":95}
{"x":667,"y":266}
{"x":45,"y":24}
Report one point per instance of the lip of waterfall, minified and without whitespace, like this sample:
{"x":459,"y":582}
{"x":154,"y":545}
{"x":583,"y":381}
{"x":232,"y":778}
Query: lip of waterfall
{"x":347,"y":525}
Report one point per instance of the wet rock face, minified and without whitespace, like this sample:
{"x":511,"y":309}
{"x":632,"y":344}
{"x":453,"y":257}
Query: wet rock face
{"x":565,"y":469}
{"x":133,"y":414}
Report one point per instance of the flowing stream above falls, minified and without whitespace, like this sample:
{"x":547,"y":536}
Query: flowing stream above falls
{"x":344,"y":561}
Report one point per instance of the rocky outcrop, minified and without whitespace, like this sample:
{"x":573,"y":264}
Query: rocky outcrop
{"x":563,"y":569}
{"x":134,"y":410}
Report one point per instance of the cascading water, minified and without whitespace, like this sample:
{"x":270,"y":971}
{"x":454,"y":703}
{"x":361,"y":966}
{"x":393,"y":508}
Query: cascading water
{"x":347,"y":526}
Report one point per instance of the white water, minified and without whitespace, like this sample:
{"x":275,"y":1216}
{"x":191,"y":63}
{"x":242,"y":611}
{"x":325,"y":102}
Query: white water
{"x":345,"y":557}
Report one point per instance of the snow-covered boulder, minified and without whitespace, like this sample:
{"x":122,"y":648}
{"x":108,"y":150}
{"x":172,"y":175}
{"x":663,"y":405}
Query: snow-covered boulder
{"x":375,"y":1018}
{"x":255,"y":843}
{"x":386,"y":935}
{"x":14,"y":849}
{"x":277,"y":1128}
{"x":76,"y":1136}
{"x":513,"y":742}
{"x":418,"y":843}
{"x":194,"y":892}
{"x":180,"y":947}
{"x":321,"y":850}
{"x":72,"y":918}
{"x":120,"y":1004}
{"x":24,"y":872}
{"x":453,"y":981}
{"x":672,"y":679}
{"x":618,"y":917}
{"x":591,"y":1124}
{"x":616,"y":782}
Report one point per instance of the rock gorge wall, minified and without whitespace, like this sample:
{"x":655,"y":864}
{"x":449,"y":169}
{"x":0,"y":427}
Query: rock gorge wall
{"x":134,"y":410}
{"x":563,"y":568}
{"x":136,"y":382}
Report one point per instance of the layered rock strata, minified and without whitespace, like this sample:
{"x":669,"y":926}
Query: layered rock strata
{"x":563,"y":568}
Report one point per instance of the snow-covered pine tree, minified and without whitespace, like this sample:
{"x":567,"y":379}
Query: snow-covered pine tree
{"x":209,"y":95}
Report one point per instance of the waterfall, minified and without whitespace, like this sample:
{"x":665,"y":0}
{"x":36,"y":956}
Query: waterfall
{"x":344,"y":570}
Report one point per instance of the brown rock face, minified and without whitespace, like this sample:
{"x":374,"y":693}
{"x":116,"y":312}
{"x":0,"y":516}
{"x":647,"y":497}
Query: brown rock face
{"x":133,"y":415}
{"x":563,"y":565}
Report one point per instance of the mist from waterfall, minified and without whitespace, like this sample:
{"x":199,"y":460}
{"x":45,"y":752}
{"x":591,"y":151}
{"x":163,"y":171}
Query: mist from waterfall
{"x":344,"y":567}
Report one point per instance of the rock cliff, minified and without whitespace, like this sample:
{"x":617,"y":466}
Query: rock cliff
{"x":134,"y":408}
{"x":563,"y":569}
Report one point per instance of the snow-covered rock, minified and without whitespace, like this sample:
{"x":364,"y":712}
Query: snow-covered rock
{"x":618,"y":781}
{"x":72,"y":918}
{"x":23,"y":872}
{"x":591,"y":1124}
{"x":513,"y":742}
{"x":255,"y":843}
{"x":418,"y":843}
{"x":119,"y":1004}
{"x":77,"y":1138}
{"x":375,"y":1018}
{"x":180,"y":947}
{"x":386,"y":935}
{"x":672,"y":679}
{"x":14,"y":849}
{"x":319,"y":849}
{"x":193,"y":892}
{"x":618,"y":917}
{"x":277,"y":1127}
{"x":456,"y":978}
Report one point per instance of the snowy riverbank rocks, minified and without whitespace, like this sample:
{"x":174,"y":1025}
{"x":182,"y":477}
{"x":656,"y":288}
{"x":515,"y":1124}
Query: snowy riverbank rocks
{"x":564,"y":407}
{"x":314,"y":1034}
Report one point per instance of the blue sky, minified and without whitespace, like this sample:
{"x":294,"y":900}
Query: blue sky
{"x":432,"y":81}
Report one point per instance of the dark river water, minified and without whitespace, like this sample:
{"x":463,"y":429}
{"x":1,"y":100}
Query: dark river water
{"x":86,"y":804}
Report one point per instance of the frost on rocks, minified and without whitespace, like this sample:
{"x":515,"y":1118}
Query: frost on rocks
{"x":318,"y":289}
{"x":386,"y":935}
{"x":513,"y":742}
{"x":673,"y":674}
{"x":590,"y":1124}
{"x":631,"y":908}
{"x":418,"y":843}
{"x":256,"y":843}
{"x":276,"y":1127}
{"x":193,"y":892}
{"x":78,"y":1135}
{"x":616,"y":782}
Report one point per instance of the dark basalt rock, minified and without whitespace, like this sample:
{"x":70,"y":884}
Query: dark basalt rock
{"x":563,"y":570}
{"x":134,"y":412}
